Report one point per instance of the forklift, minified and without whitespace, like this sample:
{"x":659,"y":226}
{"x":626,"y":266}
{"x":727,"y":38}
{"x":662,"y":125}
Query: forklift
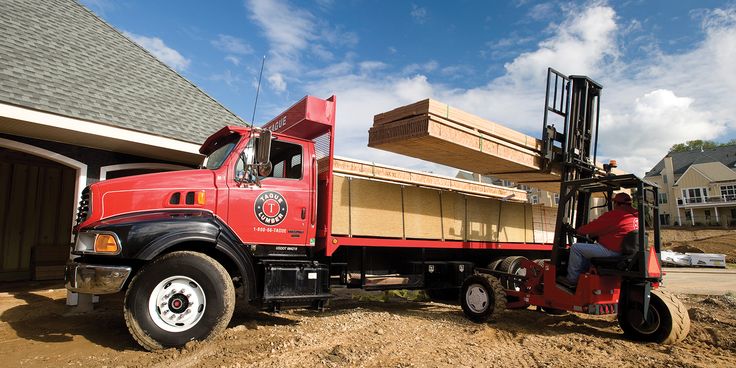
{"x":627,"y":285}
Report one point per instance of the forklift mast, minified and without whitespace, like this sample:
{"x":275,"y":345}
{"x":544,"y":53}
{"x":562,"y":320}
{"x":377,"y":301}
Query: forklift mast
{"x":574,"y":103}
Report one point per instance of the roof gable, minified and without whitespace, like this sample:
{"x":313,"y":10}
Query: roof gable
{"x":67,"y":61}
{"x":681,"y":161}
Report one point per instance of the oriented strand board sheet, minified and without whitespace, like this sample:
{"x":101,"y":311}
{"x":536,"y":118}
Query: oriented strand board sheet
{"x":544,"y":219}
{"x":341,"y":206}
{"x":453,"y":216}
{"x":482,"y":219}
{"x":375,"y":209}
{"x":422,"y":213}
{"x":512,"y":225}
{"x":404,"y":176}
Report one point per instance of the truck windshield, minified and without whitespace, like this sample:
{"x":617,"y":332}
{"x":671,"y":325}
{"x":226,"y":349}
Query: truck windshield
{"x":224,"y":146}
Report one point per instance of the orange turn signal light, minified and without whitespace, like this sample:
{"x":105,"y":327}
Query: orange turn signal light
{"x":105,"y":243}
{"x":201,"y":198}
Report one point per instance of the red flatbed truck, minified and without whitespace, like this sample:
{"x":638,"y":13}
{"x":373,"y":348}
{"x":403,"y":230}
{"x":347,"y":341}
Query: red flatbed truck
{"x":254,"y":224}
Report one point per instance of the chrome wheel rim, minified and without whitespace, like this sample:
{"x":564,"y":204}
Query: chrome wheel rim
{"x":477,"y":298}
{"x":176,"y":304}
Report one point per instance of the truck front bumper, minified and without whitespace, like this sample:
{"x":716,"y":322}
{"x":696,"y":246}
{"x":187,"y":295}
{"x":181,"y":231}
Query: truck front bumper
{"x":95,"y":279}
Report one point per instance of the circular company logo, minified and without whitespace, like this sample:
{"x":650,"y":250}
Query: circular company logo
{"x":270,"y":208}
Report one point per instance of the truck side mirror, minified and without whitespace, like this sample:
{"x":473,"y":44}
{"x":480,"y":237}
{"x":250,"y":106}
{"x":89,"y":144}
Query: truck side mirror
{"x":263,"y":153}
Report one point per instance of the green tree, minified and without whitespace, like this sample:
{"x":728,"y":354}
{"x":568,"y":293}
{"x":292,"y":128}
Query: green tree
{"x":697,"y":144}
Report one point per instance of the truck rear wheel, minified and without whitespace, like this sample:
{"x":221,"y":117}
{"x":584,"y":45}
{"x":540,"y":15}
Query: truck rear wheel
{"x":481,"y":297}
{"x":180,"y":297}
{"x":668,"y":322}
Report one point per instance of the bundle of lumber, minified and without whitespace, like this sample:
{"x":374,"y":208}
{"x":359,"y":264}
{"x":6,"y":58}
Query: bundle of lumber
{"x":436,"y":132}
{"x":399,"y":175}
{"x":383,"y":201}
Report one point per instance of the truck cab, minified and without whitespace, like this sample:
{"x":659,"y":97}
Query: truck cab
{"x":182,"y":242}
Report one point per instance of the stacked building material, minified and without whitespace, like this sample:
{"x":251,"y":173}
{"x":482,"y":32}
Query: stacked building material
{"x":434,"y":131}
{"x":383,"y":201}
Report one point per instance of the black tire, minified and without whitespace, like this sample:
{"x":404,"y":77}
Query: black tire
{"x":669,"y":320}
{"x":205,"y":302}
{"x":494,"y":265}
{"x":510,"y":265}
{"x":482,"y":297}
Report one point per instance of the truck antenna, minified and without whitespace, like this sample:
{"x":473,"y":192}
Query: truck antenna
{"x":258,"y":90}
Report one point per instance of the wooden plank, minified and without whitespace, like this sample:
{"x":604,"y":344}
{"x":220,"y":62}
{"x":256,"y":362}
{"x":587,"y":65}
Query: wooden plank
{"x":14,"y":221}
{"x":404,"y":176}
{"x":49,"y":205}
{"x":441,"y":110}
{"x":428,"y":139}
{"x":375,"y":209}
{"x":14,"y":230}
{"x":6,"y":170}
{"x":30,"y":217}
{"x":341,"y":206}
{"x":422,"y":213}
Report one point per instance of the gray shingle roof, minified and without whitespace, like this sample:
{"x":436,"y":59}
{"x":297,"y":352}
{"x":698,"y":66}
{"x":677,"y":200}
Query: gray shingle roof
{"x":57,"y":56}
{"x":682,"y":160}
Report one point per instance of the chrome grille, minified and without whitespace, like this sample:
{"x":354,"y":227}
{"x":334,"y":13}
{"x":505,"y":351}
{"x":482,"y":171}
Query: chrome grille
{"x":85,"y":206}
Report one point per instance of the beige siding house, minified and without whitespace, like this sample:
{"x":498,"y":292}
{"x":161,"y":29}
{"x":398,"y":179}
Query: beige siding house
{"x":697,"y":188}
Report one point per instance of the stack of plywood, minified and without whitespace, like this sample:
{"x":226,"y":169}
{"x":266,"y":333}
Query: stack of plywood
{"x":381,"y":201}
{"x":434,"y":131}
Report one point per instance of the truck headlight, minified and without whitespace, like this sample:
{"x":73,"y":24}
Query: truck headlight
{"x":97,"y":242}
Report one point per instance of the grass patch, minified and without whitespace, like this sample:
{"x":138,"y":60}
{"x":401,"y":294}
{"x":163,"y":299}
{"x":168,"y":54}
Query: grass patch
{"x":731,"y":266}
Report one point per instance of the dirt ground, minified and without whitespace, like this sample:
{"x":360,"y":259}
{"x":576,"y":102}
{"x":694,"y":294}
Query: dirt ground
{"x":38,"y":330}
{"x":701,"y":241}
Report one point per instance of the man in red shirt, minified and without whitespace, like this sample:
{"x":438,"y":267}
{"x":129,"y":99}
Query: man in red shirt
{"x":610,"y":229}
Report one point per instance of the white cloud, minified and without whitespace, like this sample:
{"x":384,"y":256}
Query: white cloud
{"x":277,"y":82}
{"x":427,"y":67}
{"x":233,"y":59}
{"x":649,"y":102}
{"x":232,"y":80}
{"x":418,"y":13}
{"x":232,"y":45}
{"x":370,"y":66}
{"x":293,"y":33}
{"x":158,"y":48}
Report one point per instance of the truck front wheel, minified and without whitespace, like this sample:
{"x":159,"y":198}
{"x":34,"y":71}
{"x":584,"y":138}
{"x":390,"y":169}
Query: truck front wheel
{"x":481,"y":297}
{"x":177,"y":298}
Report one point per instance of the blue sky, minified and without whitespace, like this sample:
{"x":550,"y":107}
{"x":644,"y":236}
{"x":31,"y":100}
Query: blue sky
{"x":666,"y":66}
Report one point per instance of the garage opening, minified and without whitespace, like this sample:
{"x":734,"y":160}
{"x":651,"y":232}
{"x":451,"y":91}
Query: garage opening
{"x":37,"y":199}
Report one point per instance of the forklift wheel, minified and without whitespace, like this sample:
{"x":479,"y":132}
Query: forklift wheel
{"x":481,"y":297}
{"x":668,"y":323}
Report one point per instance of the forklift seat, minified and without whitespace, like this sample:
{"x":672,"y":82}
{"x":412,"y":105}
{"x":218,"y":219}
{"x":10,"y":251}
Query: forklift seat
{"x":624,"y":262}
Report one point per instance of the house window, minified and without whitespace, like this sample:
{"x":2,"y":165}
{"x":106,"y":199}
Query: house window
{"x":557,"y":198}
{"x":664,"y":219}
{"x":688,"y":216}
{"x":728,"y":192}
{"x":662,"y":198}
{"x":694,"y":195}
{"x":664,"y":178}
{"x":535,"y":199}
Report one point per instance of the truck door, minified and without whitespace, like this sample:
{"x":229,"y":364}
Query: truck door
{"x":279,"y":211}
